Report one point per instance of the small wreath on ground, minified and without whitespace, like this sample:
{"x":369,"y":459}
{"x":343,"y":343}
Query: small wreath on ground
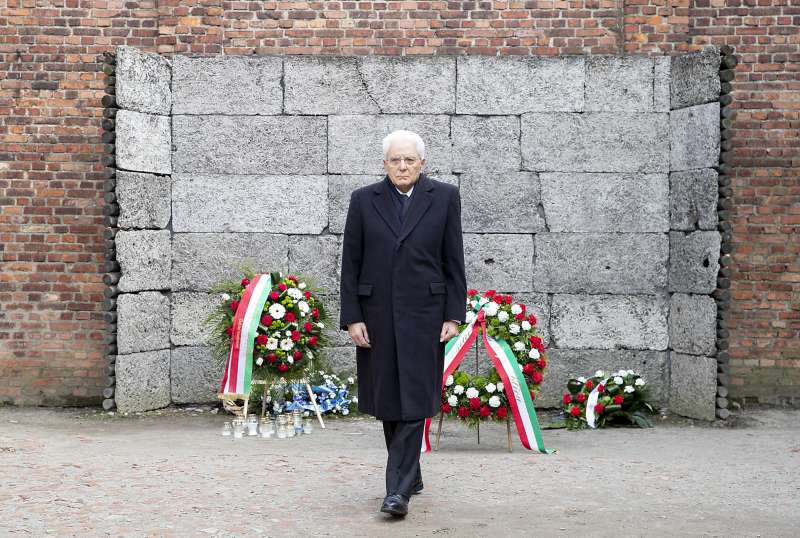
{"x":477,"y":398}
{"x":621,"y":397}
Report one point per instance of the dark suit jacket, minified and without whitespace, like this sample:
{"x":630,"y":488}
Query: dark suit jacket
{"x":403,"y":281}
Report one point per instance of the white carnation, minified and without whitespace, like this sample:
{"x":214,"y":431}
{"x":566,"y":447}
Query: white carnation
{"x":533,"y":353}
{"x":526,"y":326}
{"x":639,"y":382}
{"x":491,"y":387}
{"x":470,"y":316}
{"x":287,"y":344}
{"x":630,"y":372}
{"x":226,"y":297}
{"x":472,"y":392}
{"x":449,"y":380}
{"x":302,"y":285}
{"x":277,"y":311}
{"x":491,"y":308}
{"x":260,"y":361}
{"x":618,"y":380}
{"x":629,"y":389}
{"x":272,"y":344}
{"x":290,"y":360}
{"x":502,"y":316}
{"x":516,"y":309}
{"x":453,"y":400}
{"x":600,"y":373}
{"x":303,"y":306}
{"x":321,"y":325}
{"x":582,"y":379}
{"x":494,"y":401}
{"x":351,"y":380}
{"x":294,"y":293}
{"x":519,"y":346}
{"x":513,"y":328}
{"x":500,"y":386}
{"x":458,"y":389}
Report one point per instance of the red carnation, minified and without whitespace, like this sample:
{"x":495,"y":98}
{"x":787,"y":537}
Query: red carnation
{"x":567,"y":398}
{"x":589,"y":384}
{"x":283,"y":367}
{"x":295,"y":336}
{"x":315,"y":313}
{"x":261,"y":339}
{"x":471,"y":292}
{"x":575,"y":411}
{"x":537,"y":377}
{"x":289,"y":317}
{"x":312,"y":341}
{"x":520,"y":316}
{"x":292,"y":278}
{"x":274,"y":295}
{"x":474,"y":403}
{"x":307,"y":326}
{"x":618,"y":399}
{"x":523,"y":307}
{"x":308,"y":294}
{"x":297,"y":355}
{"x":271,"y":358}
{"x":234,"y":305}
{"x":266,"y":320}
{"x":531,"y":319}
{"x":485,"y":411}
{"x":502,"y":412}
{"x":463,"y":412}
{"x":229,"y":331}
{"x":542,"y":364}
{"x":445,"y":408}
{"x":581,"y":397}
{"x":245,"y":282}
{"x":600,"y":388}
{"x":528,"y":369}
{"x":489,"y":294}
{"x":509,"y":299}
{"x":536,"y":341}
{"x":282,"y":286}
{"x":498,"y":299}
{"x":599,"y":408}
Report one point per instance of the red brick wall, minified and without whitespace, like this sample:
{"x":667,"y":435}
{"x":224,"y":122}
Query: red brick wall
{"x":51,"y":189}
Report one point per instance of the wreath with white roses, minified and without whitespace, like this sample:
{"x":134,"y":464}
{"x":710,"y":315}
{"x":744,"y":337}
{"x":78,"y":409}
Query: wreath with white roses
{"x":473,"y":399}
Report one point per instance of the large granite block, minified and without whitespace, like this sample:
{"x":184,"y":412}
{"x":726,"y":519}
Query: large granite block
{"x":693,"y":386}
{"x":485,"y":143}
{"x":144,"y":259}
{"x":575,"y":202}
{"x":416,"y":85}
{"x":566,"y":364}
{"x":326,"y":85}
{"x":296,"y":204}
{"x":695,"y":78}
{"x":693,"y":199}
{"x":609,"y":322}
{"x":339,"y":190}
{"x":336,"y":336}
{"x":595,"y":142}
{"x":227,"y":85}
{"x":662,"y":83}
{"x":495,"y":201}
{"x":142,"y":381}
{"x":693,"y":261}
{"x":142,"y":81}
{"x":499,"y":261}
{"x":354,"y":142}
{"x":201,"y":260}
{"x":189,"y":311}
{"x":250,"y":144}
{"x":601,"y":263}
{"x":692,"y":324}
{"x":195,"y":375}
{"x":142,"y":322}
{"x":143,"y":142}
{"x":694,"y":137}
{"x":510,"y":85}
{"x":143,"y":200}
{"x":316,"y":257}
{"x":619,"y":83}
{"x":341,"y":359}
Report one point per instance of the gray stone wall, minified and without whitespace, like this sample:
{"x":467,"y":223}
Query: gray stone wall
{"x":587,"y":185}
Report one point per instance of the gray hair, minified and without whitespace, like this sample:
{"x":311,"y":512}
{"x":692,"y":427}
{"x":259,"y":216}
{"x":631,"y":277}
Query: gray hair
{"x":403,"y":136}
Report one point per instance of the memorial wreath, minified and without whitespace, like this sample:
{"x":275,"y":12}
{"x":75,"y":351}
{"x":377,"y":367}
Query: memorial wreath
{"x":621,"y":397}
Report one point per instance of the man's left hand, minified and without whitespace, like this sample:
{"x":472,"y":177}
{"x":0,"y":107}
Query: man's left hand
{"x":449,"y":330}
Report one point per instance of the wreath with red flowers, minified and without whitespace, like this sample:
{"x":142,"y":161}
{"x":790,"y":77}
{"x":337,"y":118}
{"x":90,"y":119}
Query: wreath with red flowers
{"x":290,"y":332}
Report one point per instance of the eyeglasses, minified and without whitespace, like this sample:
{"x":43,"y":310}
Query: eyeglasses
{"x":410,"y":161}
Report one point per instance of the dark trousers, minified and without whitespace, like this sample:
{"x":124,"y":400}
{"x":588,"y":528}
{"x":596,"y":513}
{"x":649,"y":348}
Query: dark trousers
{"x":403,"y":443}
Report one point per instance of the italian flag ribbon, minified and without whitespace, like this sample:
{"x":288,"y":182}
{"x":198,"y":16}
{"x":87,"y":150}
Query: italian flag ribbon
{"x":239,"y":368}
{"x":508,"y":368}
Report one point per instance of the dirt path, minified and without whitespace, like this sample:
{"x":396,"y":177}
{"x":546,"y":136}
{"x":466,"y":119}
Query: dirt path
{"x":85,"y":473}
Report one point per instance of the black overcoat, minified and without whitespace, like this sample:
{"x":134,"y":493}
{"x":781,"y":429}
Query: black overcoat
{"x":403,"y":282}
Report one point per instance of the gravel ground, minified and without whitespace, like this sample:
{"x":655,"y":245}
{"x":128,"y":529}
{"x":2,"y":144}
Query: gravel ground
{"x":82,"y":472}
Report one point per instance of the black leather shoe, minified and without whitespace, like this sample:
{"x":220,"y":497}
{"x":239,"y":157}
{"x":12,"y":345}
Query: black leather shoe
{"x":395,"y":504}
{"x":416,"y":488}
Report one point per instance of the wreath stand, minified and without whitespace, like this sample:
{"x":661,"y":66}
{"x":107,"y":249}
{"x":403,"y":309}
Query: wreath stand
{"x":441,"y":414}
{"x":232,"y":407}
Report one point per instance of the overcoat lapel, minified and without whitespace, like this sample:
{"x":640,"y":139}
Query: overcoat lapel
{"x":420,"y":202}
{"x":383,"y":203}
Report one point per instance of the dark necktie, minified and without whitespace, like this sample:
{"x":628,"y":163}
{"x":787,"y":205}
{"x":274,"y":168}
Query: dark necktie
{"x":405,"y":201}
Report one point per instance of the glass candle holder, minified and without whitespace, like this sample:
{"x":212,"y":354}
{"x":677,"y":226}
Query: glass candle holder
{"x":252,"y":425}
{"x":265,"y":428}
{"x":307,"y":425}
{"x":297,"y":421}
{"x":238,"y":428}
{"x":227,"y":429}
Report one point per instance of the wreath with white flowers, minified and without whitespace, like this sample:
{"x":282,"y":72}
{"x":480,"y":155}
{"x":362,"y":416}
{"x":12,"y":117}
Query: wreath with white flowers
{"x":621,"y":397}
{"x":477,"y":398}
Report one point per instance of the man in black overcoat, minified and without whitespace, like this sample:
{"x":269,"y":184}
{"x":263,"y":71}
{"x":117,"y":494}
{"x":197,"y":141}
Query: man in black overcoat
{"x":403,"y":293}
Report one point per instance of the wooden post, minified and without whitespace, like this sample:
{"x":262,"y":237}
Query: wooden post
{"x":313,"y":398}
{"x":439,"y":431}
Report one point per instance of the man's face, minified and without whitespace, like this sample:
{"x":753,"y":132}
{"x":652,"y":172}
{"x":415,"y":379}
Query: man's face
{"x":403,"y":165}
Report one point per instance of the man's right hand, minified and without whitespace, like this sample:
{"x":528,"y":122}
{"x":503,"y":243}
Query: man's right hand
{"x":358,"y":333}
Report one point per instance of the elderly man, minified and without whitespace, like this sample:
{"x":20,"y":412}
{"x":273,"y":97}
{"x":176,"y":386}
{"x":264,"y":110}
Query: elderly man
{"x":402,"y":297}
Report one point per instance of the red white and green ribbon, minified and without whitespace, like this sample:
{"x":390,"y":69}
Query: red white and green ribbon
{"x":508,"y":368}
{"x":591,"y":401}
{"x":239,"y":368}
